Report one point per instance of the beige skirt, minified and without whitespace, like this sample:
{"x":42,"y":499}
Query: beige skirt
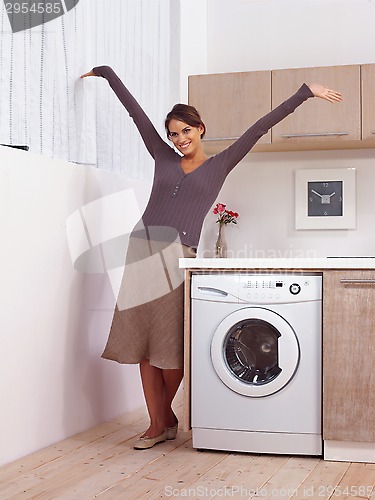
{"x":149,"y":316}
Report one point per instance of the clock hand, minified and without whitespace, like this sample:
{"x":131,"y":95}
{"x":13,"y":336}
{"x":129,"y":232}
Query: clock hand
{"x":316,"y":193}
{"x":332,"y":194}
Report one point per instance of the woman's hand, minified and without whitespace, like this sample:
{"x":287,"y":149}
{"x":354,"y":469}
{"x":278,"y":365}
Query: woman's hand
{"x":90,"y":73}
{"x":325,"y":93}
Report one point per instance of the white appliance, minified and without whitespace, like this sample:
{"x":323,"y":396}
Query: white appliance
{"x":256,"y":362}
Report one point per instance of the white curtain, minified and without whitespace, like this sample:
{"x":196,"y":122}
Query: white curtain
{"x":43,"y":103}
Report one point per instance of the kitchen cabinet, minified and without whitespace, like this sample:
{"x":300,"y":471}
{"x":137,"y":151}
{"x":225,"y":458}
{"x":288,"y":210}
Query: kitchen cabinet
{"x":349,"y":356}
{"x":229,"y":103}
{"x":368,"y":102}
{"x":315,"y":122}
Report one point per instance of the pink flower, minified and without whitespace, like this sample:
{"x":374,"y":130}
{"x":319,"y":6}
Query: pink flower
{"x":225,"y":216}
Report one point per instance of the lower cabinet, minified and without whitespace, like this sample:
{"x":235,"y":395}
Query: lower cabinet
{"x":349,"y":356}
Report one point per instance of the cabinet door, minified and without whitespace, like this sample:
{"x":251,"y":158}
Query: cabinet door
{"x":317,"y":121}
{"x":368,"y":102}
{"x":229,"y":103}
{"x":349,"y":356}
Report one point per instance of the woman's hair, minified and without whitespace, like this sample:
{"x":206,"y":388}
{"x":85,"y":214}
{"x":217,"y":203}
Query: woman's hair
{"x":184,"y":113}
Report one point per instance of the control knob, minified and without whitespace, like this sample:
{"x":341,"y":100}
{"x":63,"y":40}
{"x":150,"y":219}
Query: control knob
{"x":295,"y":289}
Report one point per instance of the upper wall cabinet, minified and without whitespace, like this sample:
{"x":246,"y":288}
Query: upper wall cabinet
{"x":317,"y":122}
{"x":368,"y":103}
{"x":229,"y":103}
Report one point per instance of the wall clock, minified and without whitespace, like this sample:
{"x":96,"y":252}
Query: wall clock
{"x":325,"y":198}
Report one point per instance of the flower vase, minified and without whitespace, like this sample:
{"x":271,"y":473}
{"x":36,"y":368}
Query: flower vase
{"x":220,"y":246}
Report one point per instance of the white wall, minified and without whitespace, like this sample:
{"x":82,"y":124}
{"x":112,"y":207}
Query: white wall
{"x":249,"y":35}
{"x":192,"y":41}
{"x":261,"y":190}
{"x":54,"y":319}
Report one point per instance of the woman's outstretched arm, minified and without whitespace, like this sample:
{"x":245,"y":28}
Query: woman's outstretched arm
{"x":149,"y":134}
{"x":238,"y":150}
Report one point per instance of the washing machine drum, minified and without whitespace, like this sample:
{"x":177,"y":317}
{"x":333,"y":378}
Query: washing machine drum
{"x":255,"y":352}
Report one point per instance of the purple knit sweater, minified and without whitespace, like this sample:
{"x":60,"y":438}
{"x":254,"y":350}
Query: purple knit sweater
{"x":178,"y":200}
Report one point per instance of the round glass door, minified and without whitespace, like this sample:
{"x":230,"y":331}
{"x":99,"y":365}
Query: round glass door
{"x":251,"y":351}
{"x":255,"y":352}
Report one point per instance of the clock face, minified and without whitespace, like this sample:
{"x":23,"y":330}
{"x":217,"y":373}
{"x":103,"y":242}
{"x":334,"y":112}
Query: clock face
{"x":324,"y":198}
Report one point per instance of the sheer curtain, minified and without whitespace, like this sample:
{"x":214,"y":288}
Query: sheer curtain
{"x":43,"y":103}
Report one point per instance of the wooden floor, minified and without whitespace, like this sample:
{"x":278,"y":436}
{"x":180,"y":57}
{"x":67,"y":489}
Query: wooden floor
{"x":101,"y":463}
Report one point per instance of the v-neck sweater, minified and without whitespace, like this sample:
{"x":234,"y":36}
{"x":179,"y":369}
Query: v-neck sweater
{"x":178,"y":200}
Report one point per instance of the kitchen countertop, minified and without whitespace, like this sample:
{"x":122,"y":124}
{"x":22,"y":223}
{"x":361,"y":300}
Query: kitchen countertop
{"x":280,"y":263}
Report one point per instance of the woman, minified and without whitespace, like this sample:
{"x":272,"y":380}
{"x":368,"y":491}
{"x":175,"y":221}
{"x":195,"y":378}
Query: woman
{"x":149,"y":330}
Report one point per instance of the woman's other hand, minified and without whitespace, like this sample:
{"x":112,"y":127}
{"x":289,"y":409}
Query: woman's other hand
{"x":325,"y":93}
{"x":90,"y":73}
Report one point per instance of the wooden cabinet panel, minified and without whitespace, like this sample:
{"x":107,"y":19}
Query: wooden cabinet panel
{"x":316,"y":121}
{"x":186,"y":421}
{"x":229,"y":103}
{"x":349,"y":356}
{"x":368,"y":102}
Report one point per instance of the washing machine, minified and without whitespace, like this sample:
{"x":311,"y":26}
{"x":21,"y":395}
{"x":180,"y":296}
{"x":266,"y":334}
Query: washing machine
{"x":256,"y":362}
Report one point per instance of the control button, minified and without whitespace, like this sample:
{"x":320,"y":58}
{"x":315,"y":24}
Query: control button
{"x":295,"y":288}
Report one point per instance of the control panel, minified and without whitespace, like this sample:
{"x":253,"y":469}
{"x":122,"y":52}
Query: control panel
{"x":256,"y":288}
{"x":269,"y":289}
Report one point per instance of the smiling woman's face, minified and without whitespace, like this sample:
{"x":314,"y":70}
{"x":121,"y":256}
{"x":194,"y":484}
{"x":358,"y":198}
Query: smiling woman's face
{"x":185,"y":138}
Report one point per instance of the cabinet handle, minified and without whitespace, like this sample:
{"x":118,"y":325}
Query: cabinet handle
{"x":314,"y":134}
{"x":284,"y":136}
{"x":207,"y":139}
{"x":358,"y":281}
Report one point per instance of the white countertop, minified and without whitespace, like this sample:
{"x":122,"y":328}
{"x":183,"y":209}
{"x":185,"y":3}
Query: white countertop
{"x":280,"y":263}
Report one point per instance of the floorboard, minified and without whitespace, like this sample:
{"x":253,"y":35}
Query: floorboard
{"x":101,"y":463}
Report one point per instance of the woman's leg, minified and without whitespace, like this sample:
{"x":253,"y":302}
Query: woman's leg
{"x":172,"y":380}
{"x":159,"y":388}
{"x":153,"y":389}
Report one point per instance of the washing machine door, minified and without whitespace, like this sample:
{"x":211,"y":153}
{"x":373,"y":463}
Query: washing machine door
{"x":255,"y":352}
